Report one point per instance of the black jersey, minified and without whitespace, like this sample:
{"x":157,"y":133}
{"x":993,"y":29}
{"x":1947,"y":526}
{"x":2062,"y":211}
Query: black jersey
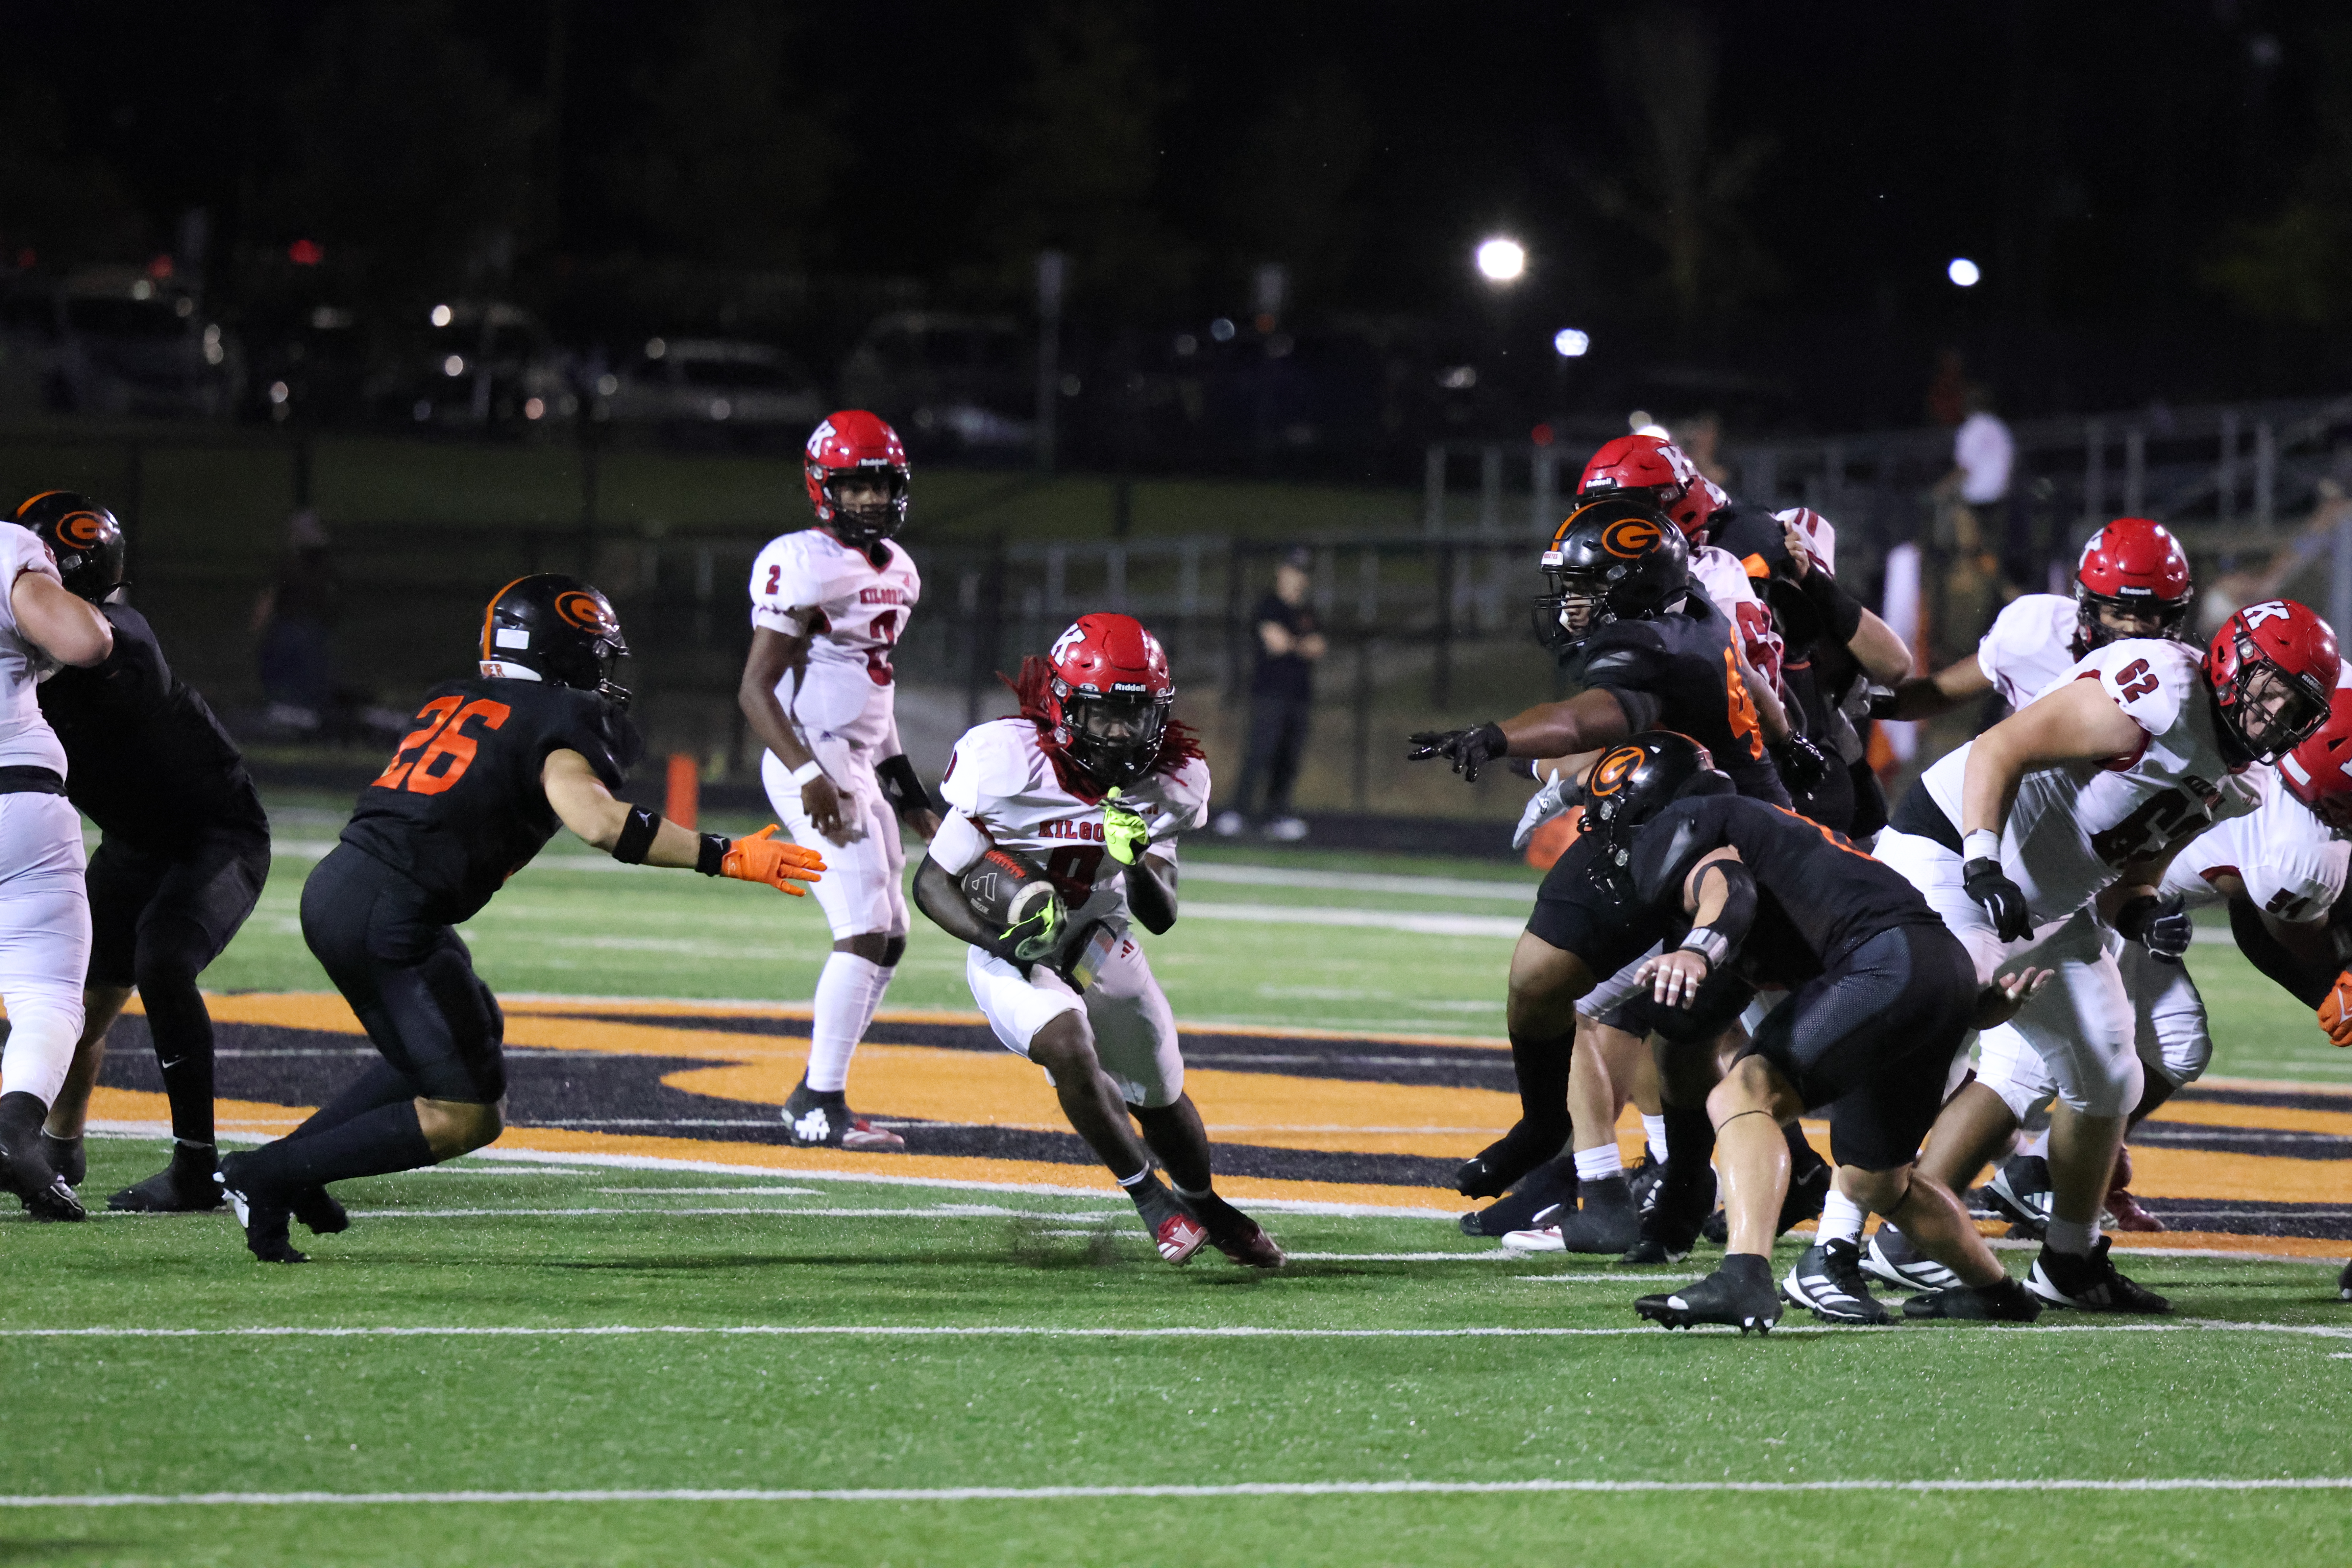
{"x":1818,"y":897}
{"x":145,"y":758}
{"x":1680,"y":671}
{"x":460,"y":808}
{"x":1596,"y":916}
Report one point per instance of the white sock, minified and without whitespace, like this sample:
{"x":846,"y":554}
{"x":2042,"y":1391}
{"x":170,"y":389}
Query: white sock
{"x":1653,"y":1132}
{"x":1841,"y":1219}
{"x":875,"y":989}
{"x":1600,"y":1164}
{"x":841,"y":1012}
{"x":2075,"y":1240}
{"x":40,"y":1050}
{"x":2035,"y":1144}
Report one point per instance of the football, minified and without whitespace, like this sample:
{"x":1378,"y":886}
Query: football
{"x":1009,"y":889}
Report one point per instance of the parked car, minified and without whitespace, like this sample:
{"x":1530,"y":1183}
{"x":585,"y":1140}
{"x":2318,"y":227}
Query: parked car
{"x":480,"y":362}
{"x":713,"y":381}
{"x":309,"y":362}
{"x":964,"y":383}
{"x":128,"y":344}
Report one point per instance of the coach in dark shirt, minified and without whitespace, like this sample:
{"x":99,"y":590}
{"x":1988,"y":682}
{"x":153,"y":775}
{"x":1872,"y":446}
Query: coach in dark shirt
{"x":1282,"y":695}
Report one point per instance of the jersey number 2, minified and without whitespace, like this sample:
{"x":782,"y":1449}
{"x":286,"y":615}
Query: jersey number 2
{"x":435,"y":756}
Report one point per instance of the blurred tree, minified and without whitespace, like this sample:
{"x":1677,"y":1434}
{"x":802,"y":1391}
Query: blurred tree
{"x":738,"y":157}
{"x":1294,"y":187}
{"x":1080,"y":159}
{"x":2291,"y":268}
{"x":401,"y":143}
{"x":1676,"y":186}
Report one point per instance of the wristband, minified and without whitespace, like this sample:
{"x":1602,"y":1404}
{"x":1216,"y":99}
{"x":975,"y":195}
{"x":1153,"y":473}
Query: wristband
{"x":805,"y":772}
{"x":902,"y":785}
{"x":712,"y":855}
{"x":1983,"y":844}
{"x":636,"y":836}
{"x":1708,"y":943}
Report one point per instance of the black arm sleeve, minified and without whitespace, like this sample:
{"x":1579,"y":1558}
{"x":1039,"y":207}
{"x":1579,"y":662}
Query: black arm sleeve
{"x":2263,"y":952}
{"x":1841,"y":609}
{"x":901,"y":786}
{"x":1642,"y":709}
{"x":1739,"y":899}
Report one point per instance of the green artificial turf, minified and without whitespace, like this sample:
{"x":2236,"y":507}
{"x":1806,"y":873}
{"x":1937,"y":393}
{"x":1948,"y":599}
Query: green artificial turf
{"x":433,"y":1412}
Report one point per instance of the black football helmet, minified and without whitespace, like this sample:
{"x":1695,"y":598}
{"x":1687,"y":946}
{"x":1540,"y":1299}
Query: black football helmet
{"x":1617,"y":558}
{"x":554,"y":628}
{"x":1638,"y":778}
{"x":83,"y":536}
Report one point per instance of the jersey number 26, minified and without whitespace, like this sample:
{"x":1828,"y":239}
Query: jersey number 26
{"x":437,"y":754}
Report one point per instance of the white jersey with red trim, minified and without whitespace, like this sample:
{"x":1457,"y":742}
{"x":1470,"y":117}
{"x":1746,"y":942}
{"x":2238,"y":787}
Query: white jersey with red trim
{"x":2030,"y":647}
{"x":1002,"y":780}
{"x":1820,"y":534}
{"x":2292,"y":865}
{"x":2074,"y":826}
{"x":853,"y":612}
{"x":1727,"y":584}
{"x":26,"y":738}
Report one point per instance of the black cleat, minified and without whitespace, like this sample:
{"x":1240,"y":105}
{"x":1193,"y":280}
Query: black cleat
{"x":1503,"y":1163}
{"x":1234,"y":1233}
{"x":2007,"y":1302}
{"x":25,"y":1168}
{"x":1644,"y":1179}
{"x":1671,"y":1225}
{"x":183,"y":1186}
{"x":1548,"y":1185}
{"x":1739,"y":1295}
{"x":1827,"y":1281}
{"x":66,"y":1157}
{"x":318,"y":1211}
{"x":2090,"y":1284}
{"x":263,"y":1218}
{"x":1607,"y":1221}
{"x":1891,"y":1260}
{"x":2020,"y":1193}
{"x":1809,"y":1192}
{"x":819,"y":1120}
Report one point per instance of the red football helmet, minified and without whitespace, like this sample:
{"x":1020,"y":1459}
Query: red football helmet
{"x":2134,"y":568}
{"x":856,"y":442}
{"x":1112,"y":696}
{"x":2318,"y":773}
{"x":2272,"y":667}
{"x":1654,"y":465}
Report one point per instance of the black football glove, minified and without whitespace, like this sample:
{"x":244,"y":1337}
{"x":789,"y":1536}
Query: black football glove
{"x":2159,"y":922}
{"x":1801,"y":763}
{"x":1468,"y":750}
{"x":1879,"y":702}
{"x":2003,"y":899}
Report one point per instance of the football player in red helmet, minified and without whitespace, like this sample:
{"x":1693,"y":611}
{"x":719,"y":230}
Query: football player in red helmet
{"x":2273,"y":666}
{"x":1088,"y":785}
{"x":828,"y":604}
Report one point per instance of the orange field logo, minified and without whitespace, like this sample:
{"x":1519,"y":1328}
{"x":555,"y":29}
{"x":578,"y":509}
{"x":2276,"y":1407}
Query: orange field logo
{"x":587,"y":612}
{"x":1631,"y":537}
{"x":1614,"y":768}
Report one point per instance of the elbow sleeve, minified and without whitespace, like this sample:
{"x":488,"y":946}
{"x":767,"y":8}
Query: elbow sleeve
{"x":1640,"y":709}
{"x":1739,"y":902}
{"x":1840,"y":609}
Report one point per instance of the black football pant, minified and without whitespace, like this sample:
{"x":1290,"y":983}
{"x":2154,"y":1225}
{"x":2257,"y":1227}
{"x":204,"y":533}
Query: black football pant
{"x":1277,"y":736}
{"x":1872,"y":1037}
{"x":407,"y":977}
{"x":158,"y":917}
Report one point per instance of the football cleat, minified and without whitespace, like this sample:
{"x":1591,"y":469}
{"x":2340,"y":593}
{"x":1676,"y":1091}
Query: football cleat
{"x":1179,"y":1236}
{"x":1892,"y":1259}
{"x":2019,"y":1193}
{"x":816,"y":1121}
{"x":1671,"y":1225}
{"x":1234,"y":1234}
{"x":320,"y":1212}
{"x":1606,"y":1221}
{"x":66,"y":1157}
{"x":25,"y":1167}
{"x":1547,"y":1186}
{"x":1739,"y":1294}
{"x":1535,"y":1239}
{"x":264,"y":1221}
{"x":2090,"y":1284}
{"x":183,"y":1186}
{"x":1808,"y":1194}
{"x":2007,"y":1302}
{"x":2123,"y":1210}
{"x":1642,"y":1180}
{"x":1827,"y":1281}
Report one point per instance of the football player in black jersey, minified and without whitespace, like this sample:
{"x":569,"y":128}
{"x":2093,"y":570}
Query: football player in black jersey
{"x":539,"y":740}
{"x":1652,"y":652}
{"x":1881,"y":999}
{"x":184,"y":857}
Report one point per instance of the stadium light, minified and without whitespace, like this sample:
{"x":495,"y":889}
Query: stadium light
{"x":1570,"y":343}
{"x":1501,"y":260}
{"x":1963,"y":272}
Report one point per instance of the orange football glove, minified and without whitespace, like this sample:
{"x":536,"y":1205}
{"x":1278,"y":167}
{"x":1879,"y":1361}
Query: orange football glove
{"x":2336,"y":1012}
{"x":779,"y":862}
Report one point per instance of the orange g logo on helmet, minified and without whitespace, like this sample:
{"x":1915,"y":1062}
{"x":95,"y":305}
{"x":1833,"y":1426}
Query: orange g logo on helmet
{"x":80,"y":528}
{"x":586,"y":610}
{"x":1614,"y":768}
{"x":1631,"y":537}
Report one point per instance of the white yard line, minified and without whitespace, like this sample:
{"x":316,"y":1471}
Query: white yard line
{"x":1500,"y":926}
{"x":1233,"y":1490}
{"x":1509,"y":892}
{"x":1027,"y":1330}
